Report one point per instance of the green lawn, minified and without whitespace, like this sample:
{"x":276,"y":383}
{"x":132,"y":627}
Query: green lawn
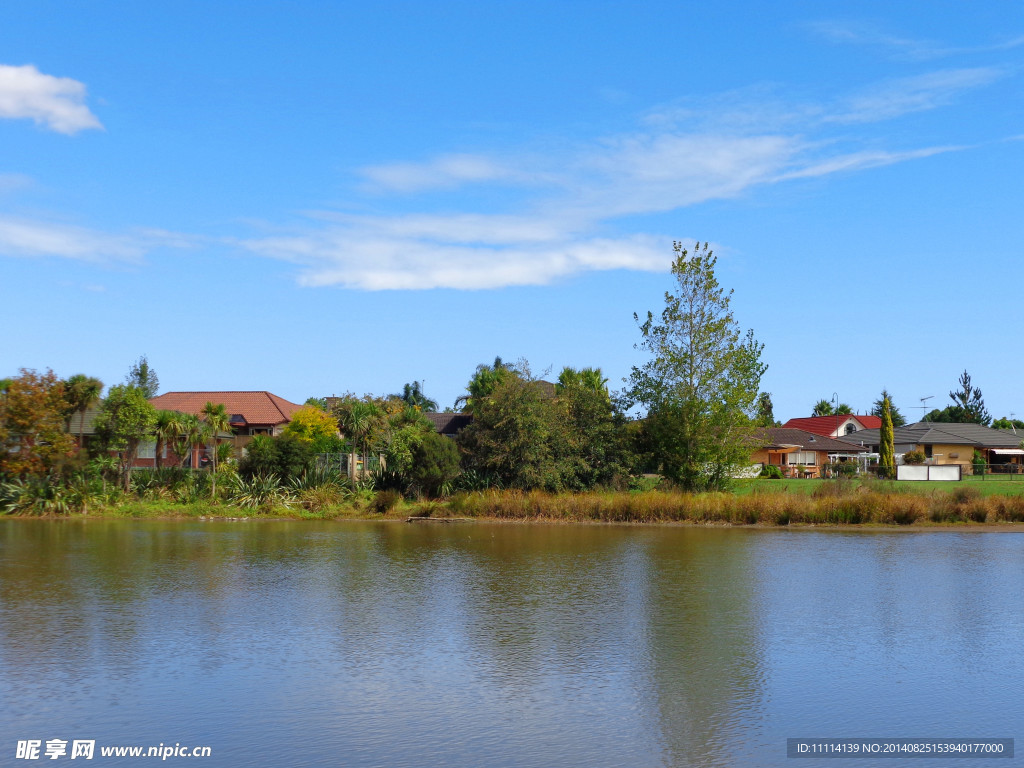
{"x":986,"y":486}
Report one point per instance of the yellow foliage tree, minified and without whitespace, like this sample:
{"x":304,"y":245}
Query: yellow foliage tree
{"x":311,"y":424}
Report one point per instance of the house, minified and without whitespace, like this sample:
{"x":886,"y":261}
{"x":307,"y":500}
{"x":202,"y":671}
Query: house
{"x":799,"y":450}
{"x":251,"y":413}
{"x":951,"y":444}
{"x":836,"y":425}
{"x":449,"y":424}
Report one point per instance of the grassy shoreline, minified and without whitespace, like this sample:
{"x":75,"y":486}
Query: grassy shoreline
{"x":760,"y":504}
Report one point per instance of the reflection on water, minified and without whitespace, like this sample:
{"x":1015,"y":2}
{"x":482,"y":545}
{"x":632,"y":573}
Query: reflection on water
{"x":509,"y":645}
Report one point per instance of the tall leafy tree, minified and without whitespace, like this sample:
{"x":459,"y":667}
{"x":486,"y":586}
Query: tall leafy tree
{"x":887,"y":448}
{"x":898,"y":419}
{"x":33,"y":439}
{"x":701,"y":385}
{"x":142,"y":376}
{"x":125,"y":421}
{"x":217,"y":420}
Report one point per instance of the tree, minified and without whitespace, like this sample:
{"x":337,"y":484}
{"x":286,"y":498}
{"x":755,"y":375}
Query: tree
{"x":80,"y":392}
{"x":317,"y":402}
{"x":435,"y":463}
{"x":315,"y":427}
{"x":141,"y":375}
{"x":894,"y":413}
{"x":590,"y":433}
{"x":823,"y":408}
{"x":192,"y":434}
{"x":33,"y":440}
{"x":286,"y":457}
{"x":1005,"y":423}
{"x":968,"y":405}
{"x":766,"y":411}
{"x":169,"y":427}
{"x":359,"y":421}
{"x":701,"y":386}
{"x":844,"y":410}
{"x":412,"y":395}
{"x":513,"y":436}
{"x":483,"y":383}
{"x":217,"y":421}
{"x":125,"y":420}
{"x":886,"y":450}
{"x":586,"y":378}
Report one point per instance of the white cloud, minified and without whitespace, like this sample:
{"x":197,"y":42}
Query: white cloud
{"x":906,"y":47}
{"x":373,"y":260}
{"x":56,"y":102}
{"x":912,"y":94}
{"x":447,"y":171}
{"x":25,"y":237}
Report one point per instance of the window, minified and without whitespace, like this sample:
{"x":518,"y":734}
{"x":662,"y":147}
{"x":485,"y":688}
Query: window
{"x":146,"y":450}
{"x":851,"y":428}
{"x":927,"y":451}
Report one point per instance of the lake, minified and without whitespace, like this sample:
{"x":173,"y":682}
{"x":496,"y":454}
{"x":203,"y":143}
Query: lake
{"x":390,"y":644}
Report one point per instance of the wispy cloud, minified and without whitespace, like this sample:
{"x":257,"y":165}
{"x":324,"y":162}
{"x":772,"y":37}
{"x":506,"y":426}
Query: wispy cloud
{"x":572,"y":222}
{"x":27,"y":237}
{"x":370,"y":260}
{"x":859,"y":33}
{"x":443,"y":172}
{"x":55,"y":102}
{"x":37,"y":238}
{"x":912,"y":94}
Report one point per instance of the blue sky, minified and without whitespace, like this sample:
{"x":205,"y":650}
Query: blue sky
{"x":314,"y":198}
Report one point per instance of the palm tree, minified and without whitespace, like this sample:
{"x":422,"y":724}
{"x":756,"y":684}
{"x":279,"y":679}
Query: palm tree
{"x":169,"y":425}
{"x":413,"y":395}
{"x":81,"y":391}
{"x":590,"y":379}
{"x":190,"y":436}
{"x":358,"y":419}
{"x":217,"y":420}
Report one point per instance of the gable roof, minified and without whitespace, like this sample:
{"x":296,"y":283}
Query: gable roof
{"x":826,"y":425}
{"x":260,"y":407}
{"x":787,"y":437}
{"x":932,"y":433}
{"x":449,"y":423}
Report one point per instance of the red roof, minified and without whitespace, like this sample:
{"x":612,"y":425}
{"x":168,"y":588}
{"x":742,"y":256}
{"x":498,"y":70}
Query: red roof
{"x":254,"y":407}
{"x":826,"y":425}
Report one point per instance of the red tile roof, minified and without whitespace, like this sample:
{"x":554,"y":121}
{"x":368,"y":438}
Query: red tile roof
{"x":826,"y":425}
{"x":254,"y":407}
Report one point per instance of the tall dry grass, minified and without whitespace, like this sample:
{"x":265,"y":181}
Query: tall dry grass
{"x":832,"y":503}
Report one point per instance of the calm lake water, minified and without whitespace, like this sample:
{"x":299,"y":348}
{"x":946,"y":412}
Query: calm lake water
{"x":386,"y":644}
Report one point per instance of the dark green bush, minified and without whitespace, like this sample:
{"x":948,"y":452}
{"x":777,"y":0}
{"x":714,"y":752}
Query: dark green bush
{"x":770,"y":472}
{"x":384,"y":501}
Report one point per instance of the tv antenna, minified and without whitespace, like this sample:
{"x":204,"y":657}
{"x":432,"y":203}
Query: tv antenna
{"x":924,"y":407}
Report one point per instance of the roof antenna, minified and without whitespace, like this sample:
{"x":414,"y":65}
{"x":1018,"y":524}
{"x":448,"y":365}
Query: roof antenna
{"x":924,"y":407}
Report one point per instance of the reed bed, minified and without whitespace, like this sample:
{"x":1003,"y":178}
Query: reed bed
{"x":832,"y":503}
